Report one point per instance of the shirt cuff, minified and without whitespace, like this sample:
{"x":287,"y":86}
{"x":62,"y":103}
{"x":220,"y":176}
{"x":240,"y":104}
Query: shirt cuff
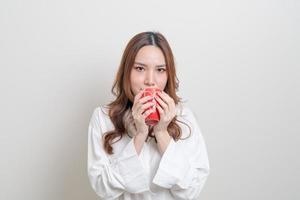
{"x":173,"y":168}
{"x":131,"y":169}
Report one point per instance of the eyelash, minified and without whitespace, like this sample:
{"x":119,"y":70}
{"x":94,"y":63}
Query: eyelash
{"x":160,"y":69}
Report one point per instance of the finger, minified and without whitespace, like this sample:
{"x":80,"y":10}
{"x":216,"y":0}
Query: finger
{"x":165,"y":97}
{"x":146,"y":106}
{"x":142,"y":101}
{"x":161,"y":103}
{"x":136,"y":99}
{"x":146,"y":113}
{"x":138,"y":95}
{"x":170,"y":101}
{"x":131,"y":127}
{"x":160,"y":110}
{"x":145,"y":99}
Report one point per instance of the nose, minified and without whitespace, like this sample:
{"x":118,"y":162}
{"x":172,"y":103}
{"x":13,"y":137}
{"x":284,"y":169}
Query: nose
{"x":149,"y":80}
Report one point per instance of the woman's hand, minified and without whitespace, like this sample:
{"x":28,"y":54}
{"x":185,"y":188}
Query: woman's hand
{"x":139,"y":114}
{"x":167,"y":110}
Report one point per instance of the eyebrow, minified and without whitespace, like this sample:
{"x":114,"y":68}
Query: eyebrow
{"x":139,"y":63}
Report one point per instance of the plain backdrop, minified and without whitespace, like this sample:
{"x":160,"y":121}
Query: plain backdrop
{"x":238,"y":65}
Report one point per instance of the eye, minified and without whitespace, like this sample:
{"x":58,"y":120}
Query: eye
{"x":138,"y":68}
{"x":161,"y":69}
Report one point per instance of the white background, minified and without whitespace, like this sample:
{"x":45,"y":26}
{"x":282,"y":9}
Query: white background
{"x":238,"y":65}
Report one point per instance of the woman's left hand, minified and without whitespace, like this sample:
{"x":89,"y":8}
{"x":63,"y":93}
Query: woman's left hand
{"x":166,"y":108}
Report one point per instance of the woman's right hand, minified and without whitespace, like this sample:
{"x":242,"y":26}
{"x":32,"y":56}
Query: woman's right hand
{"x":139,"y":116}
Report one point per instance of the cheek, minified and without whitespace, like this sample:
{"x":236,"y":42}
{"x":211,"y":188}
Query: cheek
{"x":162,"y":81}
{"x":136,"y":78}
{"x":163,"y":78}
{"x":136,"y":81}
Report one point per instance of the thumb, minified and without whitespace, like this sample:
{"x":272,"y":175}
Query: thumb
{"x":131,"y":129}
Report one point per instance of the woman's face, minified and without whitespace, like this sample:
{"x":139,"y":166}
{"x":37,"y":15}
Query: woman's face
{"x":149,"y":69}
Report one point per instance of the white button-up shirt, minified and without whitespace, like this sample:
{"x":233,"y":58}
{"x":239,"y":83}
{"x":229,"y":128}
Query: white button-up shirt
{"x":180,"y":173}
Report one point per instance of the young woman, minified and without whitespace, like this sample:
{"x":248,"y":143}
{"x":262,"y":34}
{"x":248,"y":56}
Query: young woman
{"x":127,"y":159}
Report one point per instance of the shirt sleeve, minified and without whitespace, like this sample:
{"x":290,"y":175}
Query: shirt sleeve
{"x":184,"y":166}
{"x":111,"y":177}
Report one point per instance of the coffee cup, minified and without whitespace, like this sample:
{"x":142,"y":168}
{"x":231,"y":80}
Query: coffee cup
{"x":153,"y":118}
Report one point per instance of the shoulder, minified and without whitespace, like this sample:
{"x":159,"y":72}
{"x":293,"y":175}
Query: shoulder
{"x":100,"y":111}
{"x":100,"y":114}
{"x":100,"y":119}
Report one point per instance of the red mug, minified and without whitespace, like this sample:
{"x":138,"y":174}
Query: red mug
{"x":153,"y":118}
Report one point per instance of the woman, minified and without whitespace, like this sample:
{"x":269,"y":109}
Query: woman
{"x":127,"y":159}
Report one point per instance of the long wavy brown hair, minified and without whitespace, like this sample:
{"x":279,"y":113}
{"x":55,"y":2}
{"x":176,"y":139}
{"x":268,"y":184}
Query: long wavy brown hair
{"x":122,"y":90}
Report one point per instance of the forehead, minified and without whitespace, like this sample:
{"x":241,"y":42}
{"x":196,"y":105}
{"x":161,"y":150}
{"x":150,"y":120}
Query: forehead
{"x":150,"y":54}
